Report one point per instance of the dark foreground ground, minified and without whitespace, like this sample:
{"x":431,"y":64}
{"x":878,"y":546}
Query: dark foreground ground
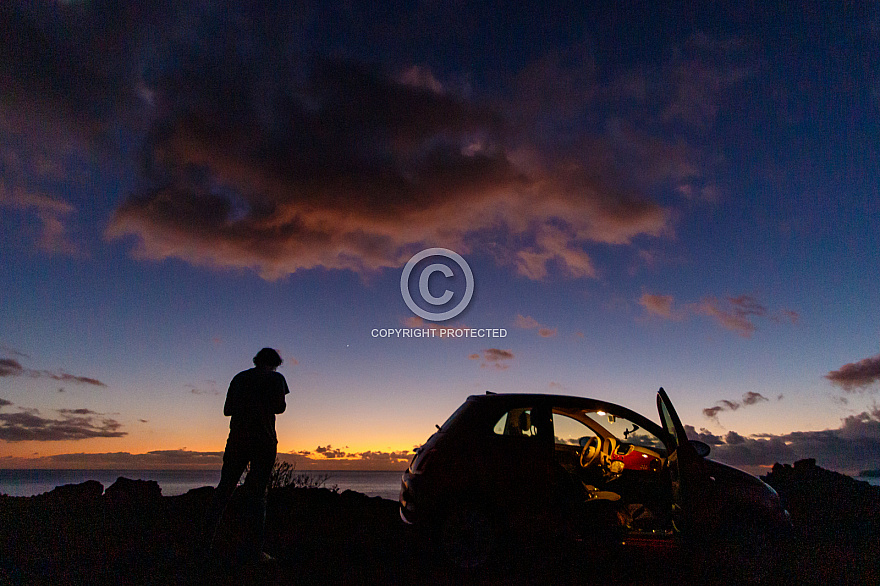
{"x":130,"y":534}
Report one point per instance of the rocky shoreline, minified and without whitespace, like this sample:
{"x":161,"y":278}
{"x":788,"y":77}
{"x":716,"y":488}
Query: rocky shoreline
{"x":131,"y":534}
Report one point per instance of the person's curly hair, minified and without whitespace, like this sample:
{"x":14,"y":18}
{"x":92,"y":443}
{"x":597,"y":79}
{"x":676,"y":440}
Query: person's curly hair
{"x":268,"y":357}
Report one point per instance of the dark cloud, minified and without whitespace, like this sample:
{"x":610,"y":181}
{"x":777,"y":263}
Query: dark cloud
{"x":329,"y":451}
{"x":75,"y":424}
{"x":10,"y":367}
{"x":77,"y":412}
{"x":51,"y":212}
{"x":354,"y":460}
{"x":328,"y":457}
{"x":748,"y":399}
{"x":732,"y":438}
{"x":752,"y":397}
{"x":368,"y":168}
{"x":737,"y":313}
{"x":67,"y":59}
{"x":5,"y":403}
{"x":788,"y":315}
{"x":659,"y":305}
{"x":396,"y":458}
{"x":270,"y":149}
{"x":712,"y":412}
{"x":207,"y":387}
{"x":865,"y":424}
{"x":63,"y":376}
{"x":527,"y":322}
{"x":729,"y":405}
{"x":733,"y":313}
{"x":156,"y":460}
{"x":68,"y":72}
{"x":704,"y":435}
{"x":493,"y":358}
{"x":754,"y":453}
{"x":496,"y":354}
{"x":258,"y":157}
{"x":12,"y":351}
{"x":183,"y":459}
{"x":856,"y":376}
{"x":747,"y":305}
{"x":852,"y":447}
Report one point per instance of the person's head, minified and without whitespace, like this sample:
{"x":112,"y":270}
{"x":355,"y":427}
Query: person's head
{"x":268,"y":358}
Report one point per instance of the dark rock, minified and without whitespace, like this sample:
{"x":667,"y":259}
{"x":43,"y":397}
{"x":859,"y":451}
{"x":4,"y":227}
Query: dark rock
{"x":125,"y":490}
{"x":199,"y":493}
{"x":834,"y":514}
{"x":133,"y":535}
{"x":805,"y":465}
{"x":90,"y":489}
{"x":808,"y":480}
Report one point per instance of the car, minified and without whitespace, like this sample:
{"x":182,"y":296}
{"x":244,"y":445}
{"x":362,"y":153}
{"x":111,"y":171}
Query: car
{"x":555,"y":466}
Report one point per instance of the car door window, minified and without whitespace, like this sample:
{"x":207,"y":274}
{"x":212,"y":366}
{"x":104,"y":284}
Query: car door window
{"x":568,"y":431}
{"x":517,"y":423}
{"x":668,"y":424}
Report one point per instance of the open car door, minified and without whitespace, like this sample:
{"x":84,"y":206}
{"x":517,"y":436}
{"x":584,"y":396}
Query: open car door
{"x":685,"y":469}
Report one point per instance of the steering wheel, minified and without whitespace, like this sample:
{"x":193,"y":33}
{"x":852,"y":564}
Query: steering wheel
{"x":591,"y":451}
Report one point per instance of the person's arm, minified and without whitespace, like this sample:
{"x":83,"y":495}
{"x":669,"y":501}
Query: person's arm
{"x":279,"y":405}
{"x":232,"y":398}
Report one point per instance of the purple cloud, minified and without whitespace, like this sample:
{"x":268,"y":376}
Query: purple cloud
{"x":855,"y":376}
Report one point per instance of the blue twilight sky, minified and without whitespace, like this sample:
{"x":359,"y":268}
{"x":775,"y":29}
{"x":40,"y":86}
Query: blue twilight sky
{"x":682,"y":196}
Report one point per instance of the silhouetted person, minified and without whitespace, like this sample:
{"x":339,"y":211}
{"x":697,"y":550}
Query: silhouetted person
{"x":254,"y":397}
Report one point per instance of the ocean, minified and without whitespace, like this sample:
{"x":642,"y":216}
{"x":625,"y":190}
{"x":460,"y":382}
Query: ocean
{"x":385,"y":484}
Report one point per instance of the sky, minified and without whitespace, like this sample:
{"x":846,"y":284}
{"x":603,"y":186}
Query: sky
{"x":682,"y":196}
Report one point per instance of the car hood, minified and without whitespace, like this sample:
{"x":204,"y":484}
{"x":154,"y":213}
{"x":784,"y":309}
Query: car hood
{"x":734,"y":485}
{"x":730,"y":475}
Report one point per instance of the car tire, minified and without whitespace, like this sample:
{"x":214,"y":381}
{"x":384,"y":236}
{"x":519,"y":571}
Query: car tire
{"x":468,"y":537}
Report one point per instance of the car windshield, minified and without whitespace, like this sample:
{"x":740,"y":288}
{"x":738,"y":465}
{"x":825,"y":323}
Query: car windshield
{"x":626,"y":431}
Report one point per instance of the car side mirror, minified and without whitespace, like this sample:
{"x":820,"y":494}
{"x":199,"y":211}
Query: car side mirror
{"x":701,"y":448}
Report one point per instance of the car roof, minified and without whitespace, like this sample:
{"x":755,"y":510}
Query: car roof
{"x":567,"y":400}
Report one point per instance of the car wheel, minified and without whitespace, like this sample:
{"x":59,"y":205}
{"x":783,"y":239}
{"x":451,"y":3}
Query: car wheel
{"x":468,"y":537}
